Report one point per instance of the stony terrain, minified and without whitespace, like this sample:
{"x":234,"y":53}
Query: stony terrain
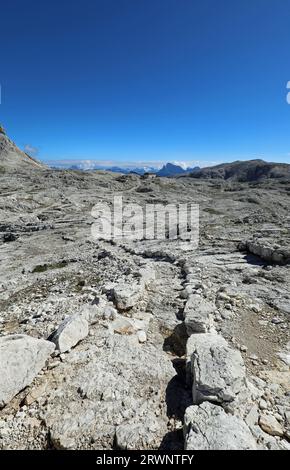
{"x":143,"y":344}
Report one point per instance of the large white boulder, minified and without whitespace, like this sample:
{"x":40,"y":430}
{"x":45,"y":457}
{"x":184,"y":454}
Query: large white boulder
{"x":217,"y":370}
{"x":198,"y":314}
{"x":21,"y":359}
{"x":70,"y":333}
{"x":209,"y":427}
{"x":127,"y":295}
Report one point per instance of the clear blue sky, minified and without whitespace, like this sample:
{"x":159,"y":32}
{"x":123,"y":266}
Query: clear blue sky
{"x":150,"y":80}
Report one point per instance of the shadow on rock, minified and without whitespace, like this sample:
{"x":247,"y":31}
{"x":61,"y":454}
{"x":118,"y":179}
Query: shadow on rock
{"x":178,"y":398}
{"x":176,"y":342}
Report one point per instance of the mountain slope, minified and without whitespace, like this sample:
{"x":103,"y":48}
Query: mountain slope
{"x":242,"y":171}
{"x":170,"y":170}
{"x":175,"y":170}
{"x":13,"y":159}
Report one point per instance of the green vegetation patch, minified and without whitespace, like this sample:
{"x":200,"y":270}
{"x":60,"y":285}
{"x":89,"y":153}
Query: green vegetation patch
{"x":41,"y":268}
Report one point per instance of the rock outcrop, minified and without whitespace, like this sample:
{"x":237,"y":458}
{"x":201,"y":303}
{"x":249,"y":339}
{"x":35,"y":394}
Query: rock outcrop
{"x":270,"y":250}
{"x":218,"y":371}
{"x":21,"y":359}
{"x":198,"y":314}
{"x":208,"y":427}
{"x":70,"y":333}
{"x":12,"y":159}
{"x":126,"y":296}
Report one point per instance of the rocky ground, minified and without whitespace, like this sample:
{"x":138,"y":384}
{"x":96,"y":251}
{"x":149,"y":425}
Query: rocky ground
{"x":143,"y":344}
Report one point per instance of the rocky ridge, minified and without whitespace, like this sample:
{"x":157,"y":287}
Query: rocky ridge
{"x":245,"y":171}
{"x":12,"y":159}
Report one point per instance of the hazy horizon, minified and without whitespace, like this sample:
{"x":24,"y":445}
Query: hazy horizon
{"x":103,"y":164}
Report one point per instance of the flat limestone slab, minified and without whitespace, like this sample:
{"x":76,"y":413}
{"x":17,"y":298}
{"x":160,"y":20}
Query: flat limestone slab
{"x":218,"y":371}
{"x":21,"y":359}
{"x":208,"y":427}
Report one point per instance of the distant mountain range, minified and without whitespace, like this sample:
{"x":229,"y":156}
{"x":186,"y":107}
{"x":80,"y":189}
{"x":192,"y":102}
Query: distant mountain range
{"x":175,"y":170}
{"x":90,"y":166}
{"x":244,"y":171}
{"x":168,"y":170}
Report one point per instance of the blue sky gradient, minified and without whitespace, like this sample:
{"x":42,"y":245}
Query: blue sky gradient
{"x":147,"y":80}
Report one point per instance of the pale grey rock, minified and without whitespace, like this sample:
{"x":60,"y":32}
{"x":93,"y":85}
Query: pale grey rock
{"x":186,"y":292}
{"x":122,"y":326}
{"x":268,"y":250}
{"x":128,"y":326}
{"x":110,"y":313}
{"x":138,"y":435}
{"x":198,"y":314}
{"x":208,"y":427}
{"x":142,"y":320}
{"x":263,"y":404}
{"x":147,"y":275}
{"x":226,"y":314}
{"x":277,"y":321}
{"x":285,"y":355}
{"x":93,"y":312}
{"x":70,"y":333}
{"x":245,"y":402}
{"x":119,"y":384}
{"x":283,"y":305}
{"x":126,"y":295}
{"x":21,"y":359}
{"x":252,"y":417}
{"x":142,"y":337}
{"x":218,"y":371}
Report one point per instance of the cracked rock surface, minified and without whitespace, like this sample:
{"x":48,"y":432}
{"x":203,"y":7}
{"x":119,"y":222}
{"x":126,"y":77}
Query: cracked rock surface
{"x":218,"y":370}
{"x":204,"y":424}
